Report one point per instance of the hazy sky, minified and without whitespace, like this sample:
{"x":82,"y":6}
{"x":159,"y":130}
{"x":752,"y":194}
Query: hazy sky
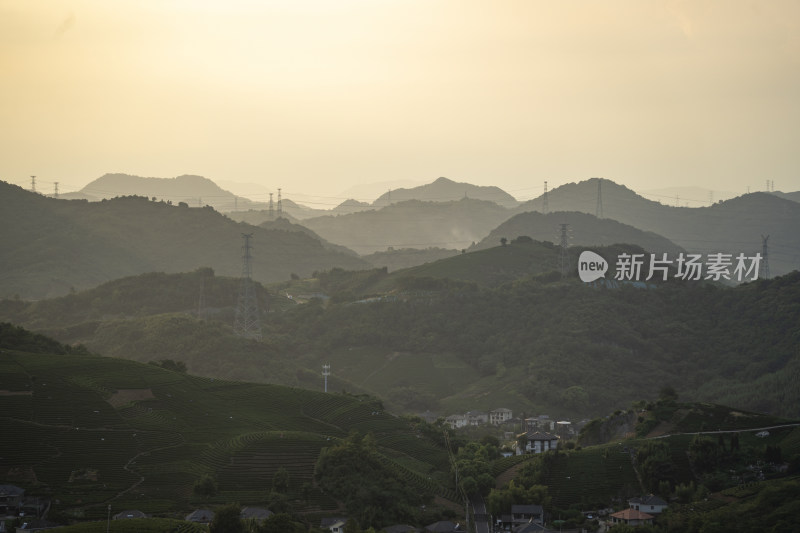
{"x":318,"y":96}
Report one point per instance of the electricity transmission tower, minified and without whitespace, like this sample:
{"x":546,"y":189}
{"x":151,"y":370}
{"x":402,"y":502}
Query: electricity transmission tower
{"x":564,"y":250}
{"x":280,"y":204}
{"x":271,"y":208}
{"x":247,"y":324}
{"x":764,"y":274}
{"x":55,"y":194}
{"x":545,"y":205}
{"x":33,"y":183}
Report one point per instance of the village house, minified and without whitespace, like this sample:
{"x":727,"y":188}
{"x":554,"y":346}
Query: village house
{"x":564,"y":429}
{"x":649,"y":504}
{"x":456,"y":421}
{"x":540,"y":422}
{"x":10,"y":499}
{"x":476,"y":418}
{"x":499,"y":416}
{"x":632,"y":517}
{"x":255,"y":514}
{"x":522,"y":514}
{"x":200,"y":516}
{"x":536,"y":442}
{"x":333,"y":524}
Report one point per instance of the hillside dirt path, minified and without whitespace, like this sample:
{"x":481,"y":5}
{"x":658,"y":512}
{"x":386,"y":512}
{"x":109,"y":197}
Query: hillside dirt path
{"x":508,"y":475}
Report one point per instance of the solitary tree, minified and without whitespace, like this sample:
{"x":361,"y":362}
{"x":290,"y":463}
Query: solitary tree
{"x":207,"y":486}
{"x":227,"y":520}
{"x":280,"y":481}
{"x":667,"y":392}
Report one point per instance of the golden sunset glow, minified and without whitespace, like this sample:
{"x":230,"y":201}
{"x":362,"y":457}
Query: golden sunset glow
{"x":315,"y":96}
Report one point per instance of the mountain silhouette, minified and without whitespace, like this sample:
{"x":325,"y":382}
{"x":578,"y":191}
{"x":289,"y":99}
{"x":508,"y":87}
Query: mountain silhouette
{"x":445,"y":190}
{"x":51,"y":246}
{"x":733,"y":226}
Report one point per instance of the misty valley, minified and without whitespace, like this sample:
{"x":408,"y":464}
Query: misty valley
{"x":177,"y":358}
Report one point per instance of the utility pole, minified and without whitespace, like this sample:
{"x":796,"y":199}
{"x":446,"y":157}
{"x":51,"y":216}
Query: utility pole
{"x":247,"y":324}
{"x":564,"y":250}
{"x":326,"y":371}
{"x":764,"y":274}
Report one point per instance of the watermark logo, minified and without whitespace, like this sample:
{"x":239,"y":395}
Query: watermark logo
{"x":644,"y":267}
{"x":591,"y":266}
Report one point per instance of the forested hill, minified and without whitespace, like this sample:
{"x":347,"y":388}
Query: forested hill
{"x":446,"y":190}
{"x":196,"y":191}
{"x":541,"y":344}
{"x":51,"y":246}
{"x":567,"y":347}
{"x":583,"y":229}
{"x":412,"y":224}
{"x":733,"y":226}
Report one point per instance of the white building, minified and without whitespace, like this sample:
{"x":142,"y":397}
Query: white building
{"x":498,"y":416}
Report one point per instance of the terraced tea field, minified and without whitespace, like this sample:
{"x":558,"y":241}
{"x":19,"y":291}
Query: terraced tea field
{"x":92,"y":431}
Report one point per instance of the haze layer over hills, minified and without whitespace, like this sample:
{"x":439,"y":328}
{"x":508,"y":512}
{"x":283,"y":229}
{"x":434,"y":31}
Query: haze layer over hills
{"x":79,"y":244}
{"x":53,"y":246}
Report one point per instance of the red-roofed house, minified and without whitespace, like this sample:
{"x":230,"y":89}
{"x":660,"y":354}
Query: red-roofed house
{"x":632,"y":517}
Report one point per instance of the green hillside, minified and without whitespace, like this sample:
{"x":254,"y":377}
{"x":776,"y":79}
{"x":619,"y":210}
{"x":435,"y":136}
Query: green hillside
{"x":583,"y":229}
{"x":540,"y":344}
{"x":87,"y":432}
{"x":454,"y":224}
{"x":446,"y":190}
{"x":92,"y":431}
{"x":407,"y":257}
{"x":733,"y":226}
{"x":52,"y":246}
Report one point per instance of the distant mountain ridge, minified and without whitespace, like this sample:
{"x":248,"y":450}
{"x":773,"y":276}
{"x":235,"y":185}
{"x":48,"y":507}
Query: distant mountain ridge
{"x":52,"y":246}
{"x":446,"y":190}
{"x":412,"y":224}
{"x":733,"y":226}
{"x":583,"y":229}
{"x":195,"y":191}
